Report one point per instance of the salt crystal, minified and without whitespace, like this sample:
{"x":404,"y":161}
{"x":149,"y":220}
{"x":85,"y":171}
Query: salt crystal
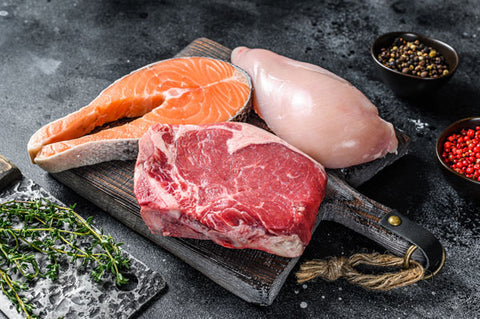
{"x":339,"y":298}
{"x":303,"y":305}
{"x":3,"y":13}
{"x":296,"y":291}
{"x":323,"y":297}
{"x":419,"y":125}
{"x":304,"y":286}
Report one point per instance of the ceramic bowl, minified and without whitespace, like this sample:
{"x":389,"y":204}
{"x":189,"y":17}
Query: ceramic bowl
{"x":407,"y":85}
{"x":460,"y":182}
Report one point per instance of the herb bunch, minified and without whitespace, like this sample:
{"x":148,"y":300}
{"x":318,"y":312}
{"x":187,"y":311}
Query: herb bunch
{"x":30,"y":229}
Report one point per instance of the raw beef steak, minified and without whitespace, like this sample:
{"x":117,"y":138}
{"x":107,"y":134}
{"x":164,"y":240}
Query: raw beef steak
{"x":232,"y":183}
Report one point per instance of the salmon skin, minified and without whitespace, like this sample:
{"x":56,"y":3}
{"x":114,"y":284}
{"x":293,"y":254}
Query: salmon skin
{"x":192,"y":90}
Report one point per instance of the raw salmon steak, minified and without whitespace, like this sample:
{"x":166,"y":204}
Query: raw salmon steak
{"x":193,"y":90}
{"x":315,"y":110}
{"x":233,"y":183}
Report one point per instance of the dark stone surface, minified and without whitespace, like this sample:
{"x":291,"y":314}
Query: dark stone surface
{"x":56,"y":56}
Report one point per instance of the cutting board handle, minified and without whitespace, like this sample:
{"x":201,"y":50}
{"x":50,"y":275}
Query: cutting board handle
{"x":8,"y":172}
{"x":384,"y":225}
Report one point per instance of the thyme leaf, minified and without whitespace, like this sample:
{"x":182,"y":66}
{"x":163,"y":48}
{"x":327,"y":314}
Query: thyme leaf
{"x":29,"y":229}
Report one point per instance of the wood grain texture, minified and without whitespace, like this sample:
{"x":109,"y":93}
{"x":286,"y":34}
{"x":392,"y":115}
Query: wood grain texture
{"x":253,"y":275}
{"x":344,"y":205}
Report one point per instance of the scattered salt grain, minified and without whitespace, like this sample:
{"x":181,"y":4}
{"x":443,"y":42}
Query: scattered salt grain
{"x":339,"y":298}
{"x":419,"y":125}
{"x":3,"y":13}
{"x":296,"y":291}
{"x":340,"y":288}
{"x":303,"y":305}
{"x":323,"y":297}
{"x":304,"y":286}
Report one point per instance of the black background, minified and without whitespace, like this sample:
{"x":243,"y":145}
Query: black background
{"x":56,"y":56}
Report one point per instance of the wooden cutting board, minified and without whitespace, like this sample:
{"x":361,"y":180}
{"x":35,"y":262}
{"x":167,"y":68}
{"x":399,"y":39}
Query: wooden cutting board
{"x":253,"y":275}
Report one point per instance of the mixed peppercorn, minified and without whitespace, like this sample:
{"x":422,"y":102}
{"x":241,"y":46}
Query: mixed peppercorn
{"x":461,"y":152}
{"x":414,"y":58}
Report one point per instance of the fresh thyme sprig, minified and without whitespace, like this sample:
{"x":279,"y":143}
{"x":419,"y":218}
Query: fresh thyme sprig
{"x":29,"y":229}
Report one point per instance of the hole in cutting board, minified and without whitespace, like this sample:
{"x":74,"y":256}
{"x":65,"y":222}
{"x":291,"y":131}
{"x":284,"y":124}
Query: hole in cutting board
{"x":131,"y":284}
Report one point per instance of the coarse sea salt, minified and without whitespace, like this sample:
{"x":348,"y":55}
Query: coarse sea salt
{"x":303,"y":305}
{"x":419,"y":125}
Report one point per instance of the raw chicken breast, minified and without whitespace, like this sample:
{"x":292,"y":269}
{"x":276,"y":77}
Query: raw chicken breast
{"x":315,"y":110}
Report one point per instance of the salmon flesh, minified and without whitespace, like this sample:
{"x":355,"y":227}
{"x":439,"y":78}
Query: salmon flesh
{"x":193,"y":90}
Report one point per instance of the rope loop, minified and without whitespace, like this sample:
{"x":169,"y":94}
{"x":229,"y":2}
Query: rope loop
{"x":342,"y":267}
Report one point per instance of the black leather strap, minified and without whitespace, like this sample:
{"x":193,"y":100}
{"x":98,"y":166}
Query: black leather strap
{"x":418,"y":236}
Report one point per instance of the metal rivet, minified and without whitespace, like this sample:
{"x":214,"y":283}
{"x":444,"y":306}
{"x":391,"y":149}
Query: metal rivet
{"x":394,"y":220}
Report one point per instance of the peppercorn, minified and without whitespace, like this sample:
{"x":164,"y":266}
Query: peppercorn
{"x":414,"y":58}
{"x":461,"y":152}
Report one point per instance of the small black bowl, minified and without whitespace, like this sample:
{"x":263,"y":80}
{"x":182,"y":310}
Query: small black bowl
{"x":406,"y":85}
{"x":463,"y":184}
